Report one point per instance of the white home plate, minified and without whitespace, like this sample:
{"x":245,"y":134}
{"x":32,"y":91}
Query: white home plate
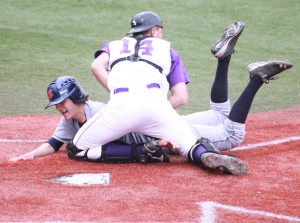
{"x":82,"y":179}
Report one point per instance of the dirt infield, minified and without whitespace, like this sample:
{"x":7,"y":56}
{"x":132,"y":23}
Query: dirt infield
{"x":172,"y":192}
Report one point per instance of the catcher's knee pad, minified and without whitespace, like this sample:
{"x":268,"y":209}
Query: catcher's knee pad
{"x":201,"y":146}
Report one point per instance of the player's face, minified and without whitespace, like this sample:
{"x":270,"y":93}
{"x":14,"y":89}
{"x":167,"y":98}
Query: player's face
{"x":67,"y":108}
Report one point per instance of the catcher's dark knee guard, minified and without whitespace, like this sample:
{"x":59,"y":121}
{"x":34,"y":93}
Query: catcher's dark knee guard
{"x":117,"y":152}
{"x":201,"y":146}
{"x":120,"y":152}
{"x":110,"y":154}
{"x":148,"y":152}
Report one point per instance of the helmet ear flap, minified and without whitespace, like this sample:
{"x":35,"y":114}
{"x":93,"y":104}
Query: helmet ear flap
{"x":78,"y":95}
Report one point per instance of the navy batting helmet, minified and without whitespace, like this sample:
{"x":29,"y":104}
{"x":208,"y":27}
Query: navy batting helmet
{"x":64,"y":87}
{"x":144,"y":21}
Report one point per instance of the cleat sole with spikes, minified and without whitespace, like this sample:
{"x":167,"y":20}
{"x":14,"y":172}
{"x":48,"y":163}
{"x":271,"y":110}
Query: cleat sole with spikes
{"x":224,"y":163}
{"x":267,"y":70}
{"x":225,"y":45}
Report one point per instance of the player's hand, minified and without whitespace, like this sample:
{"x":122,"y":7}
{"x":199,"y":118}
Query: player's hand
{"x":167,"y":143}
{"x":27,"y":156}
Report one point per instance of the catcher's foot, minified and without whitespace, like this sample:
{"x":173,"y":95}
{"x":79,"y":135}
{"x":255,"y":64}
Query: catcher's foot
{"x":267,"y":70}
{"x":223,"y":163}
{"x":225,"y":45}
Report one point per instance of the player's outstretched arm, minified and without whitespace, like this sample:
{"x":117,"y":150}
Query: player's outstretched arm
{"x":43,"y":150}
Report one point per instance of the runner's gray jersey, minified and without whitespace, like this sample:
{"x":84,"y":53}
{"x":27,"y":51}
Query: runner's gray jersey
{"x":66,"y":129}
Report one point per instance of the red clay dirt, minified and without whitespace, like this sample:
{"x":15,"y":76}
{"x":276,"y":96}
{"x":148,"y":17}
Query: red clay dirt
{"x":172,"y":192}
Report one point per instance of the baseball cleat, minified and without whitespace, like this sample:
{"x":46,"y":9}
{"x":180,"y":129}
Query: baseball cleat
{"x":224,"y":163}
{"x":267,"y":70}
{"x":225,"y":45}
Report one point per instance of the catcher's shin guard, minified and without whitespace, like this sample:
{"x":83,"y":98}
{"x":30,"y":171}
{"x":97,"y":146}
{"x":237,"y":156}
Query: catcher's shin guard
{"x":120,"y":152}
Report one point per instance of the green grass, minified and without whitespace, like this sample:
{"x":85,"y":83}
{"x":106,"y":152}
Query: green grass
{"x":41,"y":40}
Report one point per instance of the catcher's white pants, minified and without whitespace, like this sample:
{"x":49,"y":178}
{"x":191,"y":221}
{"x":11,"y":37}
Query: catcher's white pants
{"x":145,"y":111}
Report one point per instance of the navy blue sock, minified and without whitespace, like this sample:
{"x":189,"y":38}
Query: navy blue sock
{"x":195,"y":154}
{"x":241,"y":107}
{"x":219,"y":90}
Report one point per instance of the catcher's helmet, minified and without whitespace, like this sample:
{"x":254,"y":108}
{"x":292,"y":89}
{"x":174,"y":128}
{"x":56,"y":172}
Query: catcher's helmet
{"x":64,"y":87}
{"x":144,"y":21}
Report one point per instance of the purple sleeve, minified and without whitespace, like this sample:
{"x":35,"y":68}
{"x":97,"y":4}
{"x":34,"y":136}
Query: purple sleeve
{"x":178,"y":72}
{"x":104,"y":48}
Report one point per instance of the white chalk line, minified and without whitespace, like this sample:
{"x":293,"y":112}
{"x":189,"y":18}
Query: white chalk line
{"x":273,"y":142}
{"x":23,"y":140}
{"x":209,"y":212}
{"x":45,"y":222}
